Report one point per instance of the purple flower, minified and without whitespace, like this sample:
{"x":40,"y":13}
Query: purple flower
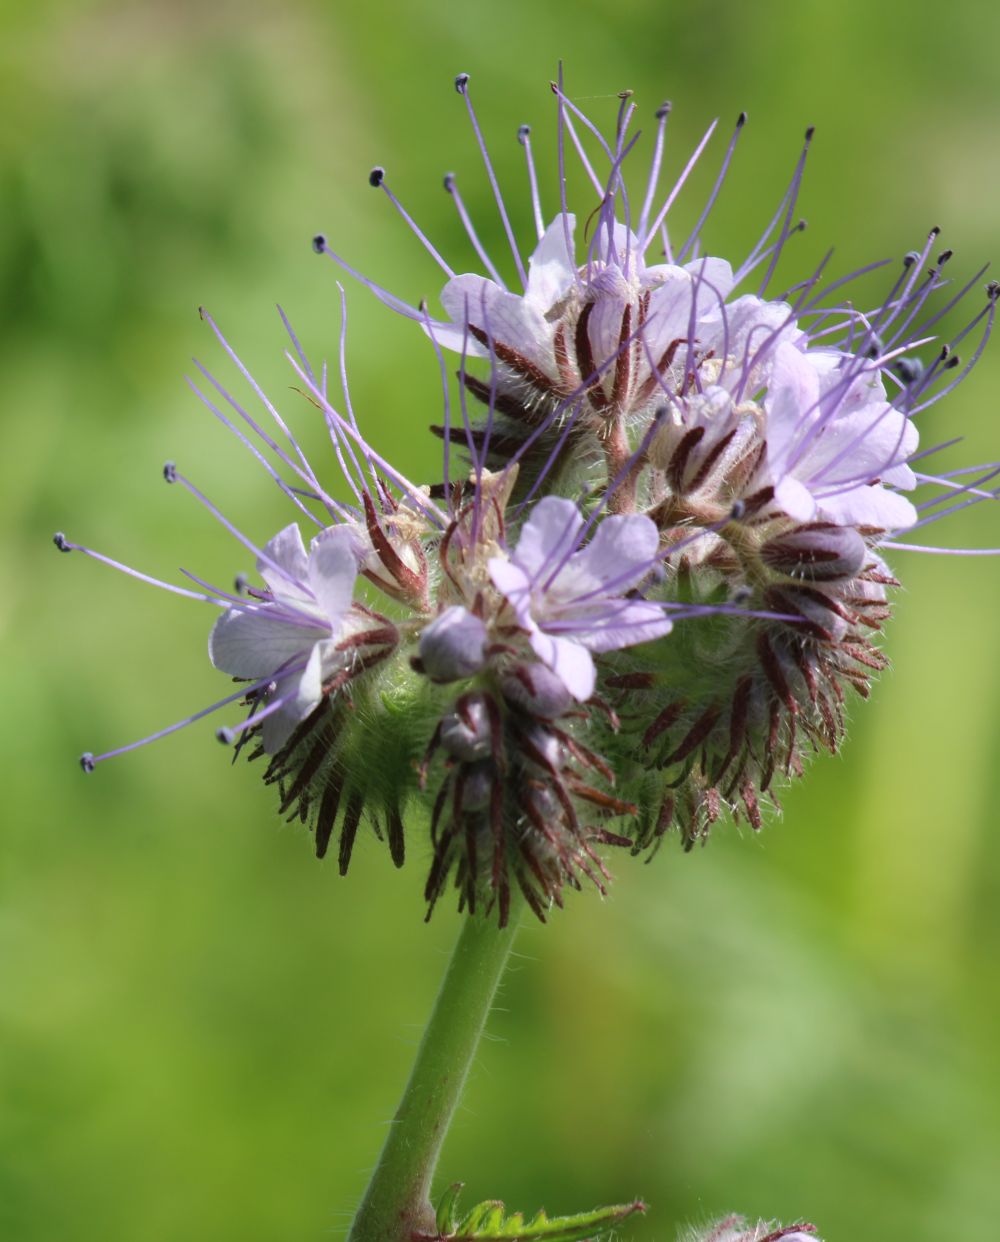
{"x":572,"y":320}
{"x":835,"y":445}
{"x":570,"y":598}
{"x":290,"y":635}
{"x":737,"y":1229}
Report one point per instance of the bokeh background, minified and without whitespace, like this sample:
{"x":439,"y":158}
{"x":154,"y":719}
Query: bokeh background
{"x":202,"y":1030}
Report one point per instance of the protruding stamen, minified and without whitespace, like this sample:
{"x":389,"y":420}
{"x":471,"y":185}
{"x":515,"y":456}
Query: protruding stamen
{"x":376,"y":179}
{"x":87,"y":762}
{"x":792,"y":196}
{"x":662,"y":112}
{"x":524,"y":138}
{"x":170,"y":472}
{"x":59,"y":539}
{"x":462,"y":86}
{"x":678,"y":186}
{"x":463,"y":214}
{"x":319,"y":243}
{"x":741,"y":120}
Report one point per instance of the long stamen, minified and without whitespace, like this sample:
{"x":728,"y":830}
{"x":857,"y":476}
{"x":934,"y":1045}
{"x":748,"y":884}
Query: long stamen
{"x":66,"y":545}
{"x":524,"y":138}
{"x":247,"y":443}
{"x":261,"y":395}
{"x":568,"y":107}
{"x":452,"y":189}
{"x":688,"y":168}
{"x":662,"y":113}
{"x":341,"y":442}
{"x":89,"y":761}
{"x":446,"y":396}
{"x":787,"y":227}
{"x":321,"y":246}
{"x":173,"y":475}
{"x":741,"y":120}
{"x":413,"y":493}
{"x":376,"y":179}
{"x":462,"y":86}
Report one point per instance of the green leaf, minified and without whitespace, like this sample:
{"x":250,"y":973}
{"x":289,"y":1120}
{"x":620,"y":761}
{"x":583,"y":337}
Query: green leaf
{"x":488,"y":1221}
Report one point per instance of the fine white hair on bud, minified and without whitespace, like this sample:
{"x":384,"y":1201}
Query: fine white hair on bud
{"x":738,"y":1229}
{"x":653,"y":568}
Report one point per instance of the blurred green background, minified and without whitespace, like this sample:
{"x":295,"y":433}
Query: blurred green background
{"x":202,"y":1030}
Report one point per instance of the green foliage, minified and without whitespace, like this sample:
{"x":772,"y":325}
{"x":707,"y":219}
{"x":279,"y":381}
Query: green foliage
{"x":489,"y":1220}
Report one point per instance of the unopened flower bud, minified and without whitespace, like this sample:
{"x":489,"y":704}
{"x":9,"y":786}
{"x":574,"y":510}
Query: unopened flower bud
{"x":466,"y":733}
{"x":537,"y":689}
{"x":453,"y":645}
{"x":738,"y":1229}
{"x":819,"y":552}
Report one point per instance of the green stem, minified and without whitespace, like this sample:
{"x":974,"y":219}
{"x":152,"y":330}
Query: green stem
{"x":397,"y":1201}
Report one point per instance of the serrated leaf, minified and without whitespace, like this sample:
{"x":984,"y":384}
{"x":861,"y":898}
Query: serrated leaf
{"x":447,"y":1214}
{"x":487,"y":1222}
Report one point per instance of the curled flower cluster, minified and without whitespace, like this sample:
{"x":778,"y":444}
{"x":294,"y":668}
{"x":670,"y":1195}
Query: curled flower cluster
{"x":645,"y":591}
{"x":737,"y":1229}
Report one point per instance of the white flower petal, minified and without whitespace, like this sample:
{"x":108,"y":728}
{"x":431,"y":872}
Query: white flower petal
{"x":552,"y":267}
{"x":548,"y":537}
{"x":869,"y":506}
{"x":252,"y":642}
{"x":792,"y":407}
{"x":618,"y":555}
{"x":795,"y":499}
{"x":570,"y":662}
{"x":286,"y":551}
{"x":507,"y":318}
{"x":333,"y":568}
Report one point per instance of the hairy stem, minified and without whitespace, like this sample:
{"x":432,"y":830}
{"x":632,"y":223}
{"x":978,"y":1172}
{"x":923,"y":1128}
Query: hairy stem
{"x":397,"y":1202}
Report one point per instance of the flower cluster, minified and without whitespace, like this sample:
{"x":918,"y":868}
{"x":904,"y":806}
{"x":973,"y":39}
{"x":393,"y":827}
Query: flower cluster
{"x":737,"y":1229}
{"x":645,"y":592}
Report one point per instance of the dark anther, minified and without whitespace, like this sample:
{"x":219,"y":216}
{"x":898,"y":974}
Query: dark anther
{"x":951,"y":363}
{"x":376,"y":176}
{"x":935,"y":231}
{"x":625,"y":94}
{"x":664,"y":109}
{"x":875,"y":348}
{"x":945,"y":351}
{"x":802,"y":226}
{"x":944,"y":256}
{"x":170,"y":472}
{"x":461,"y":82}
{"x":908,"y":369}
{"x":738,"y":510}
{"x":993,"y":290}
{"x":240,"y":584}
{"x":319,"y":243}
{"x":910,"y":258}
{"x":449,"y":182}
{"x":522,"y":133}
{"x":225,"y":736}
{"x":88,"y":762}
{"x":59,"y":539}
{"x":202,"y":313}
{"x":809,"y":133}
{"x":741,"y":120}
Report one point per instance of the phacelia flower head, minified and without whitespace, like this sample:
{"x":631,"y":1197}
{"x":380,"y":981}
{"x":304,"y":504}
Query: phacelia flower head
{"x":738,"y":1229}
{"x":652,"y":567}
